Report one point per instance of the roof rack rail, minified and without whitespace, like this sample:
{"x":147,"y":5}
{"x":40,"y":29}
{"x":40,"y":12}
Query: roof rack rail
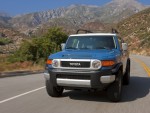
{"x":86,"y":31}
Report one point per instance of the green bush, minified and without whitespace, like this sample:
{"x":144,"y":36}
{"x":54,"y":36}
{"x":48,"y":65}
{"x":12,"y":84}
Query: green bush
{"x":40,"y":47}
{"x":4,"y":41}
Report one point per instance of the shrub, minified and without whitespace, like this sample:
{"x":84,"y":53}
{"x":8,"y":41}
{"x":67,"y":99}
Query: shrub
{"x":4,"y":41}
{"x":39,"y":47}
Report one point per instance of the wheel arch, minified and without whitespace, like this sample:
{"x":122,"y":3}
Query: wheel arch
{"x":118,"y":67}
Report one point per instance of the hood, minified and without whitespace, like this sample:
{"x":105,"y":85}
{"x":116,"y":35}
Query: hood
{"x":84,"y":54}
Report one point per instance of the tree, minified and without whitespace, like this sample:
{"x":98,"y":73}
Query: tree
{"x":40,"y":47}
{"x":56,"y":35}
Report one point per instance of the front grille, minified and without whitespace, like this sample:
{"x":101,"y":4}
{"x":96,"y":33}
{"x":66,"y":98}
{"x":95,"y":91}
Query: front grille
{"x":82,"y":77}
{"x":75,"y":64}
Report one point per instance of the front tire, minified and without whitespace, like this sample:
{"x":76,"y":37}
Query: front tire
{"x":126,"y":77}
{"x":53,"y":91}
{"x":114,"y":91}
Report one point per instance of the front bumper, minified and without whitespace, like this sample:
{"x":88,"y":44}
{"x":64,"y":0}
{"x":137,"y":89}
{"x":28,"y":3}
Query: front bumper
{"x":87,"y":78}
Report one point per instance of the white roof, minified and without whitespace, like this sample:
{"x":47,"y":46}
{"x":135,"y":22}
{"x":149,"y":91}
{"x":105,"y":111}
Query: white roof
{"x":95,"y":34}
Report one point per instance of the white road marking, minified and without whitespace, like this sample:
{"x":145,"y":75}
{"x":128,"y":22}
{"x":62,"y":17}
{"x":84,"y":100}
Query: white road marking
{"x":17,"y":96}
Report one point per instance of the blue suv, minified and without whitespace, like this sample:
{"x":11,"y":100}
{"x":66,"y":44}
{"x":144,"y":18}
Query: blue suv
{"x":92,"y":61}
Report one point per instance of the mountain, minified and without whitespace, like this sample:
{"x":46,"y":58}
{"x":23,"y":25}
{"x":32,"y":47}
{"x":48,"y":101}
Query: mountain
{"x":136,"y":31}
{"x":4,"y":18}
{"x":34,"y":19}
{"x":117,"y":10}
{"x":112,"y":12}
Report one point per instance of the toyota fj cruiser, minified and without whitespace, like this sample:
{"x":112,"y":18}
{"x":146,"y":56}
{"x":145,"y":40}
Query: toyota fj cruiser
{"x":92,"y":61}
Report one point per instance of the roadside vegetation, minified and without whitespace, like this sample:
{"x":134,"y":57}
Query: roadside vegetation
{"x":4,"y":41}
{"x":33,"y":52}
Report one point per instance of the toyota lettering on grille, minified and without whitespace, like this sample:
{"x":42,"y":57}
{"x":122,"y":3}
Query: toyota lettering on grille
{"x":75,"y":64}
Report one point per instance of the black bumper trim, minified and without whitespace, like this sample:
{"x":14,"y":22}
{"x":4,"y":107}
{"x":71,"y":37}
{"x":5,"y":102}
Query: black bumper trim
{"x":94,"y":75}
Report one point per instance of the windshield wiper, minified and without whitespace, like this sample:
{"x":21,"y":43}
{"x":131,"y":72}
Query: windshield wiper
{"x":104,"y":48}
{"x":84,"y":48}
{"x":71,"y":48}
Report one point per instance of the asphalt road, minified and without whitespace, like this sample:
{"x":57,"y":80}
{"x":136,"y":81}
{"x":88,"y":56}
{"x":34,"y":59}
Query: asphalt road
{"x":27,"y":94}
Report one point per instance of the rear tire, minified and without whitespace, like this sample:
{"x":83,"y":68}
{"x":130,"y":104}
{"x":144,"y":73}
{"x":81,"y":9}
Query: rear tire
{"x":126,"y":77}
{"x":114,"y":91}
{"x":53,"y":91}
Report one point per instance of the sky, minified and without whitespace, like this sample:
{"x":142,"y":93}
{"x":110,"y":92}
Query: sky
{"x":16,"y":7}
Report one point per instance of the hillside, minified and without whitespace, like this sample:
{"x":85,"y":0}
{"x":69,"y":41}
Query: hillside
{"x":136,"y":30}
{"x":10,"y":40}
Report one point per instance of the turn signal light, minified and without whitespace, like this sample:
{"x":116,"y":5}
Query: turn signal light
{"x":49,"y":62}
{"x":107,"y":63}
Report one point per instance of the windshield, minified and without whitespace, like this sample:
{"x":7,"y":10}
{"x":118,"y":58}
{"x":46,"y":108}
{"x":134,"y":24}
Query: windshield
{"x":90,"y":42}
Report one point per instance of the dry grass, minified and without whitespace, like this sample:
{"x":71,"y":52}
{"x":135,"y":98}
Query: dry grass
{"x":18,"y":66}
{"x":144,"y":52}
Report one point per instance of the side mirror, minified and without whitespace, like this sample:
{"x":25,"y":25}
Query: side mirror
{"x":124,"y":46}
{"x":63,"y":46}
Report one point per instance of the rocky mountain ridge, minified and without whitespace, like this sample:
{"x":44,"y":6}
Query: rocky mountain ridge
{"x":112,"y":12}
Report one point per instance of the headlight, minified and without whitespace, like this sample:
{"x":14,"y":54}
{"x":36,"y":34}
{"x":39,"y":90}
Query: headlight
{"x":96,"y":64}
{"x":55,"y":63}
